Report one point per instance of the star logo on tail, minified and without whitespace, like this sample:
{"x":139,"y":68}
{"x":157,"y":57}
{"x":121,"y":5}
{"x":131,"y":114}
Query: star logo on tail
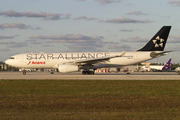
{"x":158,"y":42}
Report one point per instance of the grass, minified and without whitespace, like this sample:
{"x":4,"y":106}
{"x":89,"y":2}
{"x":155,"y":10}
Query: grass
{"x":93,"y":99}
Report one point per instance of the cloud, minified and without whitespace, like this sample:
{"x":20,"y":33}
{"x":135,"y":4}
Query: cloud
{"x":72,"y":42}
{"x":85,"y":18}
{"x":17,"y":25}
{"x":123,"y":20}
{"x":128,"y":4}
{"x":43,"y":15}
{"x":176,"y":3}
{"x":108,"y":1}
{"x":78,"y":43}
{"x":57,"y":17}
{"x":126,"y":30}
{"x":174,"y":39}
{"x":39,"y":43}
{"x":171,"y":39}
{"x":8,"y":37}
{"x":174,"y":48}
{"x":79,"y":0}
{"x":48,"y":45}
{"x":97,"y":46}
{"x":136,"y":13}
{"x":85,"y":47}
{"x":35,"y":42}
{"x":4,"y":49}
{"x":104,"y":1}
{"x":134,"y":39}
{"x":12,"y":44}
{"x":69,"y":38}
{"x":119,"y":47}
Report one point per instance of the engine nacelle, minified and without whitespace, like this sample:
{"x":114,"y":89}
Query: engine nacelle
{"x":64,"y":68}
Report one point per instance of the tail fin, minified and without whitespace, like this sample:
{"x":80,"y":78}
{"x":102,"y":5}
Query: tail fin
{"x":167,"y":65}
{"x":158,"y":42}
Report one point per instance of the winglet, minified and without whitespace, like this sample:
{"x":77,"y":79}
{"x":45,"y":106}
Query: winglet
{"x":121,"y":54}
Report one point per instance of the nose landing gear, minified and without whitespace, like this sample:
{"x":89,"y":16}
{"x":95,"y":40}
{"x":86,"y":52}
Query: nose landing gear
{"x":24,"y":72}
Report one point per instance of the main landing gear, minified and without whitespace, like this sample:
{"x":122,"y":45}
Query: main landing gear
{"x":85,"y":72}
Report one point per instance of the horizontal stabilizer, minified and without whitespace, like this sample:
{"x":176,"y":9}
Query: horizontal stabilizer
{"x":157,"y":54}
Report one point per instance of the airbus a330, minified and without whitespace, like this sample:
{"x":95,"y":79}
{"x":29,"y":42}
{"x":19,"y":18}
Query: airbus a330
{"x":90,"y":61}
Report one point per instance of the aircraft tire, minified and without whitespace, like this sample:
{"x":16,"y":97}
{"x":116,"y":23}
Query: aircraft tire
{"x":88,"y":72}
{"x":24,"y":72}
{"x":84,"y":72}
{"x":91,"y":72}
{"x":52,"y":72}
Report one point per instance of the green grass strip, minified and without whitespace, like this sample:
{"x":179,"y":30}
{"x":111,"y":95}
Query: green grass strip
{"x":89,"y":99}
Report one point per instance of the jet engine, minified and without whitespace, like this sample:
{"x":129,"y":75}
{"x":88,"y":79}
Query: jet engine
{"x":64,"y":68}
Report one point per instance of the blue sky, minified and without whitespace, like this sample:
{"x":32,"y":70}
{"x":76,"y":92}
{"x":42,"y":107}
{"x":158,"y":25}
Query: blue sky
{"x":86,"y":26}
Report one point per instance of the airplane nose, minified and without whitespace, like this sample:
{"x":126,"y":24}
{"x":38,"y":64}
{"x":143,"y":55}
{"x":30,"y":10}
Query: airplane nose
{"x":7,"y":62}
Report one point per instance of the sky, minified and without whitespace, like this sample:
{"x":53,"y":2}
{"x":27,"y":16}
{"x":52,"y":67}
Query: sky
{"x":86,"y":26}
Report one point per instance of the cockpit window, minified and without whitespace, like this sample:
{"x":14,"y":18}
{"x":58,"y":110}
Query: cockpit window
{"x":11,"y":58}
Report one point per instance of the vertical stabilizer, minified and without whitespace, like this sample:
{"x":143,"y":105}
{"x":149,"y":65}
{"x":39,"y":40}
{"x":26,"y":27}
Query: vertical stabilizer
{"x":158,"y":42}
{"x":167,"y":65}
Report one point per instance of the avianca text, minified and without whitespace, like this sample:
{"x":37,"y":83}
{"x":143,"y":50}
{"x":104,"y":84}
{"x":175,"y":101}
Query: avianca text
{"x":36,"y":62}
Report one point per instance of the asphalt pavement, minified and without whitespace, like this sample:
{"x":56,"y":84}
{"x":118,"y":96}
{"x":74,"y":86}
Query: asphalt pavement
{"x":97,"y":76}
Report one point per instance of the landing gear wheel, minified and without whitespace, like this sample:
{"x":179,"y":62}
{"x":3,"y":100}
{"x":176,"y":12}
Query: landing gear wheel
{"x":84,"y":72}
{"x":24,"y":72}
{"x":52,"y":72}
{"x":91,"y":72}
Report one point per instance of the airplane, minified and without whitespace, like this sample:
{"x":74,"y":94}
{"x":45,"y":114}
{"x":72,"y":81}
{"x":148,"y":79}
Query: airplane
{"x":177,"y":69}
{"x":88,"y":62}
{"x":167,"y":66}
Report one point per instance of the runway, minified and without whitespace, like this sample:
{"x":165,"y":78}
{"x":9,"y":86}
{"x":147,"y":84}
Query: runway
{"x":97,"y":76}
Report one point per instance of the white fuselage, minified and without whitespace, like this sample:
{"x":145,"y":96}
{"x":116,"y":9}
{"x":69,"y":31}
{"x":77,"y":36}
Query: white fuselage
{"x":152,"y":67}
{"x":156,"y":67}
{"x":52,"y":60}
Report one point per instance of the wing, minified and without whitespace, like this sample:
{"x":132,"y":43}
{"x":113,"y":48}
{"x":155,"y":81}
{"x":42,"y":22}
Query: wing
{"x":97,"y":60}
